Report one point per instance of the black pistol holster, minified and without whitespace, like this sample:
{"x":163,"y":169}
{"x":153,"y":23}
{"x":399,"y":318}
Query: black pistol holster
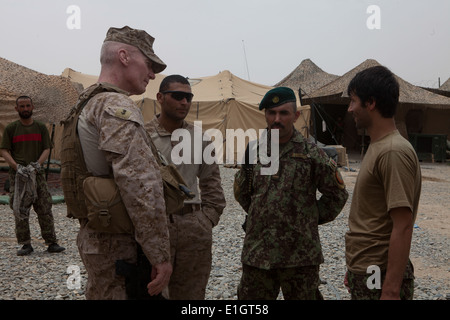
{"x":137,"y":277}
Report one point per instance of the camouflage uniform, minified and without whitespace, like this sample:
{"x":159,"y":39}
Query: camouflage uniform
{"x":191,"y":229}
{"x":283,"y":217}
{"x":42,"y":206}
{"x":357,"y":285}
{"x":27,"y":154}
{"x":125,"y":144}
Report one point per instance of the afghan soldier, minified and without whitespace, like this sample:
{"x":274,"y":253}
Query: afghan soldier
{"x":282,"y":246}
{"x":25,"y":146}
{"x":191,"y":227}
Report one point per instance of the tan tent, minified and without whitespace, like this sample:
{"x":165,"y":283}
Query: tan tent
{"x":223,"y":101}
{"x":81,"y":80}
{"x":419,"y":110}
{"x":53,"y":96}
{"x":446,"y":85}
{"x":308,"y":77}
{"x":226,"y":102}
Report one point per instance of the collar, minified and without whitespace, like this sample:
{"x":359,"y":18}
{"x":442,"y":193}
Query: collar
{"x":160,"y":129}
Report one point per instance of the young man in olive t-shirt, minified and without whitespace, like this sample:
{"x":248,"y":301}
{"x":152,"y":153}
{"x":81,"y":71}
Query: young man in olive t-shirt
{"x":26,"y":142}
{"x":386,"y":194}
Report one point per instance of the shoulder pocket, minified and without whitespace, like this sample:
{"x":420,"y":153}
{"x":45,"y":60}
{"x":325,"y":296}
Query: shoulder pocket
{"x":126,"y":114}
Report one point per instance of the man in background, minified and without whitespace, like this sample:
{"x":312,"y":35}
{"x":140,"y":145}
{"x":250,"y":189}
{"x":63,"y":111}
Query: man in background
{"x":25,"y":147}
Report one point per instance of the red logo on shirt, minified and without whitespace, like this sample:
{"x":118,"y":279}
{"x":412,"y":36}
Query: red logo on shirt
{"x":27,"y":137}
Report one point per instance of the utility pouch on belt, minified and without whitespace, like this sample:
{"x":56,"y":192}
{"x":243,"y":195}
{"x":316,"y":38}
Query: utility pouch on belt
{"x":105,"y":209}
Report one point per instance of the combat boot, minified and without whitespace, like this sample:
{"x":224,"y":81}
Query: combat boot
{"x":54,"y":247}
{"x":26,"y":250}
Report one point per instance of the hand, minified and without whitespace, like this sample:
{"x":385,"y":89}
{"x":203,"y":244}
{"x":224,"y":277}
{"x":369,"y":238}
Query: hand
{"x":347,"y":286}
{"x":387,"y":296}
{"x":160,"y":278}
{"x":389,"y":293}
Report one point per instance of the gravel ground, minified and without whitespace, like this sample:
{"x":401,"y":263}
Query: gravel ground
{"x":46,"y":276}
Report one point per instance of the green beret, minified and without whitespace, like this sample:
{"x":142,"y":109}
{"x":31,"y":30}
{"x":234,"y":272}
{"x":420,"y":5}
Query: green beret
{"x":139,"y":39}
{"x":276,"y":97}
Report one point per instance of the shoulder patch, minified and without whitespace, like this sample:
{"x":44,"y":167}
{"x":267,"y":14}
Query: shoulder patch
{"x":339,"y":180}
{"x":125,"y":113}
{"x":332,"y":163}
{"x":122,"y":113}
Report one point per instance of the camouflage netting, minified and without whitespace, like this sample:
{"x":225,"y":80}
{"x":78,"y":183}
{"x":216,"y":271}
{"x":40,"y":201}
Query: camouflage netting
{"x":53,"y":96}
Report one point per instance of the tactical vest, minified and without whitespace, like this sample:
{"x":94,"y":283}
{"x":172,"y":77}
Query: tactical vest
{"x":73,"y":166}
{"x":74,"y":170}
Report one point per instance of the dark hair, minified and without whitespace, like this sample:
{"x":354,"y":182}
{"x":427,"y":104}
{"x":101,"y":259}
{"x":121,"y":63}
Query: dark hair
{"x":377,"y":83}
{"x":23,"y":97}
{"x":175,"y":78}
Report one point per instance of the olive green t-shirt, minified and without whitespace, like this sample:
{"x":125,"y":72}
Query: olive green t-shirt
{"x":389,"y":178}
{"x":25,"y":143}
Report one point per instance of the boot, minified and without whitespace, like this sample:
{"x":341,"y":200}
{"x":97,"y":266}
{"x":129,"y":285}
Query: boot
{"x":26,"y":250}
{"x":54,"y":247}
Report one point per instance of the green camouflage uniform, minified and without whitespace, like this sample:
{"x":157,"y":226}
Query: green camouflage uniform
{"x":42,"y":206}
{"x":284,"y":213}
{"x":358,"y":288}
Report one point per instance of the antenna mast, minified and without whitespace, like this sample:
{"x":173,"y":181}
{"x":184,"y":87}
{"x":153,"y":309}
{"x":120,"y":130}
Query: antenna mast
{"x":246,"y":64}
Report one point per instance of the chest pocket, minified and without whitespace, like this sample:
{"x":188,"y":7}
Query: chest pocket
{"x":294,"y":175}
{"x":303,"y":173}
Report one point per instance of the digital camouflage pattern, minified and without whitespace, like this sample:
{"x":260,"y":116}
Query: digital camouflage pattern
{"x":300,"y":283}
{"x":357,"y":285}
{"x":283,"y":215}
{"x":127,"y":149}
{"x":25,"y":193}
{"x":42,"y":206}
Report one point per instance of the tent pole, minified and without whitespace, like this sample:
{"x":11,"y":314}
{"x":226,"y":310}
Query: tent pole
{"x":50,"y":154}
{"x":313,"y":114}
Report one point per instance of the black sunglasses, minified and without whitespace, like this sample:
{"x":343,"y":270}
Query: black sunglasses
{"x":180,"y":95}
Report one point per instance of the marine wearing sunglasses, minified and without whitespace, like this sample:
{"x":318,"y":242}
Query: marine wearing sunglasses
{"x":180,"y":95}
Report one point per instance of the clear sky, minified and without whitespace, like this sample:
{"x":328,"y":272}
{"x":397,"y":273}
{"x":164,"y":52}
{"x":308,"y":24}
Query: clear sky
{"x":257,"y":40}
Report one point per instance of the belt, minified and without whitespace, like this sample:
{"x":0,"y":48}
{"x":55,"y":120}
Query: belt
{"x":189,"y":208}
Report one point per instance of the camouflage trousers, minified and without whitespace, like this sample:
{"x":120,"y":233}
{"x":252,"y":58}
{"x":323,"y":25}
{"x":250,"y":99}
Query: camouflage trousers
{"x":359,"y":290}
{"x":43,"y":208}
{"x":301,"y":283}
{"x":99,"y":253}
{"x":190,"y":250}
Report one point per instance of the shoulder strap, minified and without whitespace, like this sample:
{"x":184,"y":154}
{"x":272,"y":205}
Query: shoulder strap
{"x":86,"y":96}
{"x":75,"y":113}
